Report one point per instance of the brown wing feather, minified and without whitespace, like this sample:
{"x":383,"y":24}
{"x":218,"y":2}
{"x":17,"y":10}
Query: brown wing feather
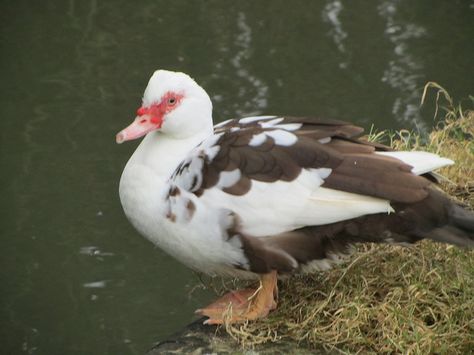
{"x":375,"y":175}
{"x":321,"y":143}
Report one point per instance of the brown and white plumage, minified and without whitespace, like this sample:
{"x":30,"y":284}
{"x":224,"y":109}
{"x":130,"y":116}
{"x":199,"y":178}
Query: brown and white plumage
{"x":272,"y":194}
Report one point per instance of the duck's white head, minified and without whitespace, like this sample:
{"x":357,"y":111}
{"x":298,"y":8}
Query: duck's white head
{"x":173,"y":104}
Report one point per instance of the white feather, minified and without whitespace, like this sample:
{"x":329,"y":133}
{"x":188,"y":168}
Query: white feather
{"x":278,"y":207}
{"x":322,"y":172}
{"x":198,"y":242}
{"x":422,"y":162}
{"x":254,"y":118}
{"x":212,"y":152}
{"x":210,"y":141}
{"x":222,"y":123}
{"x":257,"y":139}
{"x":228,"y":178}
{"x":271,"y":123}
{"x":282,"y":137}
{"x":289,"y":126}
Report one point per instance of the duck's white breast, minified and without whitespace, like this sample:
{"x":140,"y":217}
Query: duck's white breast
{"x":199,"y":242}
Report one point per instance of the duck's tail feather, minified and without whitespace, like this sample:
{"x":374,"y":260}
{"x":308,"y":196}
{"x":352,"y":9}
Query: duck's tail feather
{"x":459,"y":230}
{"x":437,"y":217}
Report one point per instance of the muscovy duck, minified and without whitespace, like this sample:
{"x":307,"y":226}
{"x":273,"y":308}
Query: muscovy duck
{"x":261,"y":196}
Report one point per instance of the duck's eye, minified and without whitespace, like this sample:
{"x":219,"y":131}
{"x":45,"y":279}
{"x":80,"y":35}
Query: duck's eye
{"x":171,"y":101}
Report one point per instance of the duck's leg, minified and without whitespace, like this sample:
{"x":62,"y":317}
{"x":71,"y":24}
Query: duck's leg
{"x":242,"y":305}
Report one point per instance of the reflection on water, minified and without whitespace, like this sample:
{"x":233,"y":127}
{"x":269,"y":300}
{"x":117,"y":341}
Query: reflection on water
{"x":94,"y":251}
{"x":76,"y":278}
{"x":331,"y":14}
{"x":405,"y":70}
{"x":249,"y":95}
{"x":95,"y":284}
{"x":243,"y":42}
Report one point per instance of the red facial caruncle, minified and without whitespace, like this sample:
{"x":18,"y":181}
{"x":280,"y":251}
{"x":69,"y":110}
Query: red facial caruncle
{"x":168,"y":102}
{"x":150,"y":118}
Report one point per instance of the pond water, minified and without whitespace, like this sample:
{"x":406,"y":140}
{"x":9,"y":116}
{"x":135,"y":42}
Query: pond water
{"x":76,"y":278}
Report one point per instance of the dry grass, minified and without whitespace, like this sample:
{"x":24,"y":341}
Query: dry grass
{"x":389,"y":299}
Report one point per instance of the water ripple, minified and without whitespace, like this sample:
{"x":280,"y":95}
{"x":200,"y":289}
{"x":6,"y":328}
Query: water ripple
{"x":404,"y":72}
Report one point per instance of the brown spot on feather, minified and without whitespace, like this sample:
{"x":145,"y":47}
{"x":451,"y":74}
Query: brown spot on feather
{"x":174,"y":191}
{"x":171,"y":216}
{"x":191,"y":207}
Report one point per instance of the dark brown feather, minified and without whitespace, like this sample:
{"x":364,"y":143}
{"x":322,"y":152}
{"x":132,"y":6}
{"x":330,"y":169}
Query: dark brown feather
{"x":436,"y":217}
{"x":263,"y":258}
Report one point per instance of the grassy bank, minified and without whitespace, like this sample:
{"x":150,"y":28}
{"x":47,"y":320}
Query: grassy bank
{"x":390,"y":299}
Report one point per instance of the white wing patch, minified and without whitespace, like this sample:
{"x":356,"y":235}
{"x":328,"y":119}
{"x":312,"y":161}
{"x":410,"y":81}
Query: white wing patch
{"x":222,"y":123}
{"x":282,"y":137}
{"x":212,"y":152}
{"x":188,"y":175}
{"x":258,"y":139}
{"x":278,"y":207}
{"x":275,"y":124}
{"x":212,"y":140}
{"x":228,"y":178}
{"x":254,"y":118}
{"x":422,"y":162}
{"x":281,"y":133}
{"x":210,"y":147}
{"x":322,"y":172}
{"x":271,"y":123}
{"x":289,"y":126}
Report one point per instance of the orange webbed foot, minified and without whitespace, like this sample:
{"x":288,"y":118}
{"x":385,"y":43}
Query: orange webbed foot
{"x":242,"y":305}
